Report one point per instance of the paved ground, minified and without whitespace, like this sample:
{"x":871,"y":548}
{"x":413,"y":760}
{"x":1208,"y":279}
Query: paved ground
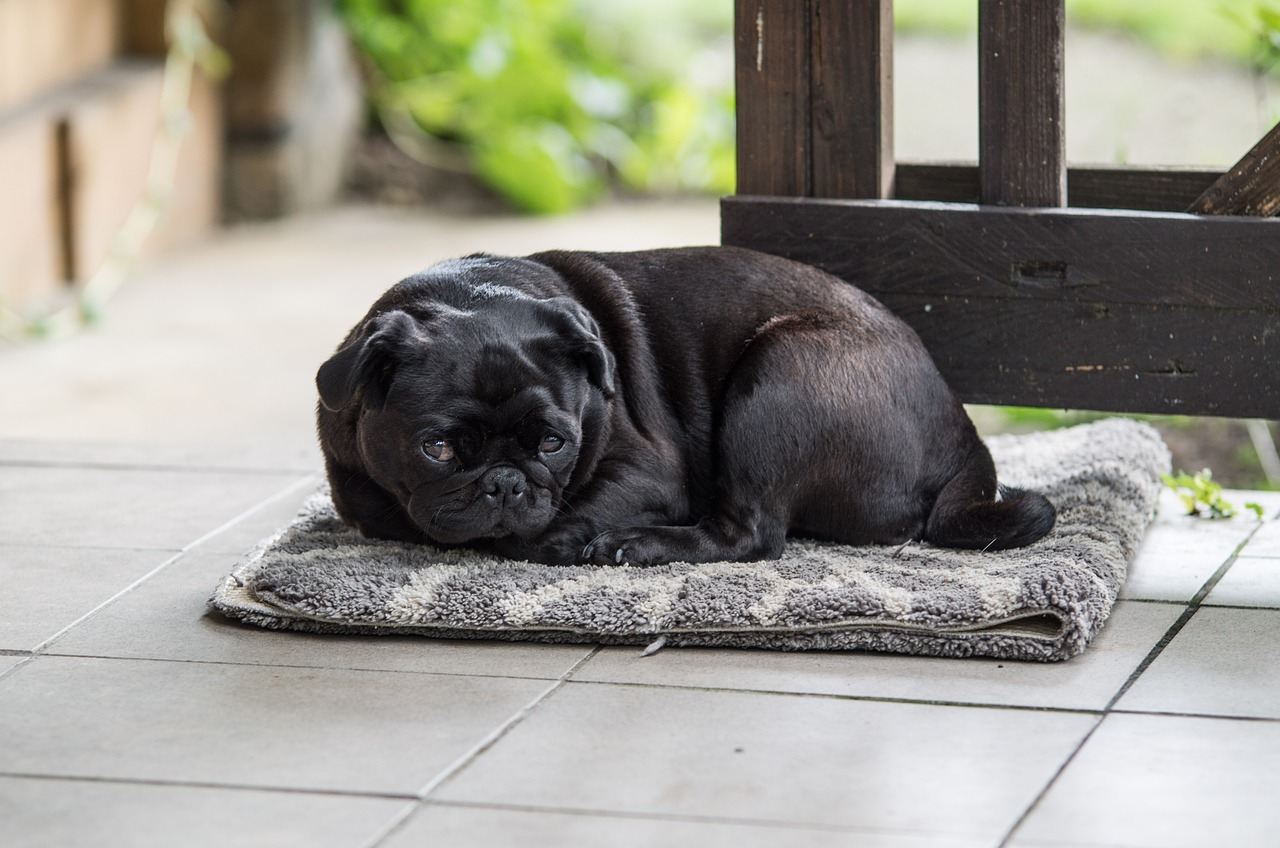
{"x":138,"y":461}
{"x":130,"y":716}
{"x":220,"y":343}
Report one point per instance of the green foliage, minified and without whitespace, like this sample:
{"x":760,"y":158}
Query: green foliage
{"x":1261,"y":20}
{"x":543,"y":102}
{"x":1181,"y":29}
{"x":1035,"y":418}
{"x":1203,"y":497}
{"x":1175,"y":28}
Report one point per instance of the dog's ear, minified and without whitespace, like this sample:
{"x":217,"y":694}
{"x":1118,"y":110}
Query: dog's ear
{"x":367,"y":363}
{"x":576,"y":324}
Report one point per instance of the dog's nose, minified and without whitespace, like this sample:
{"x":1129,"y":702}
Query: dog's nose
{"x":503,"y":486}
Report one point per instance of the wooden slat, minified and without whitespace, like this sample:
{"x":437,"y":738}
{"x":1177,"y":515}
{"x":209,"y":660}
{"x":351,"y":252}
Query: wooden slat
{"x":1125,"y":187}
{"x":112,"y":119}
{"x":143,"y":22}
{"x":851,"y":91}
{"x":1250,"y":187}
{"x":31,"y":255}
{"x":46,"y":43}
{"x":1021,"y":142}
{"x":772,"y":76}
{"x":1148,"y":189}
{"x":1061,"y":308}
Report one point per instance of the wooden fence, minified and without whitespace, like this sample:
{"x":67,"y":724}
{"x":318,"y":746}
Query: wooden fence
{"x":1032,"y":283}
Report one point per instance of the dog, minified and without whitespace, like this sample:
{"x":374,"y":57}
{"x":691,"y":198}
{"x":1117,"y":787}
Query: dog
{"x":680,"y":405}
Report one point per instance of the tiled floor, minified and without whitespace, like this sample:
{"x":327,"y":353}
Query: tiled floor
{"x":131,"y":716}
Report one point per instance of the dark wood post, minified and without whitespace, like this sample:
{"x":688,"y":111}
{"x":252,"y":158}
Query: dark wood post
{"x":815,"y":97}
{"x":1250,"y":187}
{"x":851,"y":95}
{"x":1021,"y":141}
{"x":771,"y":45}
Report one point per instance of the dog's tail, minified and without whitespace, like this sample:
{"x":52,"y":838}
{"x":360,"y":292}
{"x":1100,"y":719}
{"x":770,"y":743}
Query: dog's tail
{"x":972,"y":512}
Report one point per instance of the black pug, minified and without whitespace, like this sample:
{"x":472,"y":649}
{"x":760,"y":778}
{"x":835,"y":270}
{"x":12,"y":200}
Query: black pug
{"x":661,"y":406}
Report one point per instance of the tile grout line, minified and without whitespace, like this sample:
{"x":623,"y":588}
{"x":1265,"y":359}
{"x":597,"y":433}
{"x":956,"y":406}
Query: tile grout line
{"x":1192,"y":607}
{"x":837,"y":696}
{"x":161,"y":468}
{"x":209,"y":784}
{"x":690,"y":818}
{"x":283,"y":493}
{"x":491,"y":739}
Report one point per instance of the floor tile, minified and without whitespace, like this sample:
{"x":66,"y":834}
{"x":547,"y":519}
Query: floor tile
{"x":781,"y":758}
{"x":1264,"y":543}
{"x":1251,"y":582}
{"x":244,"y":535}
{"x":167,"y":618}
{"x":124,"y":508}
{"x":291,"y":456}
{"x":1269,"y":501}
{"x":485,"y":827}
{"x":1180,"y":553}
{"x":251,"y":726}
{"x":1224,"y":662}
{"x":8,"y":662}
{"x":1170,"y":781}
{"x":1088,"y":681}
{"x":93,"y":814}
{"x":46,"y":589}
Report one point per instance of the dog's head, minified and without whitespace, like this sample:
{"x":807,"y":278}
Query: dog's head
{"x":473,"y":402}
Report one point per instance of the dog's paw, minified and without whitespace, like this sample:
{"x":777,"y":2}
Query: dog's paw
{"x":562,"y":549}
{"x":631,"y":546}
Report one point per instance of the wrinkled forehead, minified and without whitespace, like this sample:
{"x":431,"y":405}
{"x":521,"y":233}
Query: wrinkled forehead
{"x":482,"y":366}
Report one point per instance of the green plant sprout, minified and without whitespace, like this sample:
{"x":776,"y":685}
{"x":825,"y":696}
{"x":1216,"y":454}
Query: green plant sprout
{"x":1202,"y":497}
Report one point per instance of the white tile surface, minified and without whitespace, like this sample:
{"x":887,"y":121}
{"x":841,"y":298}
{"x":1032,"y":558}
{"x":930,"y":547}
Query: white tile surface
{"x":1264,"y":543}
{"x":1180,"y":553}
{"x":1165,"y":781}
{"x":252,"y":726}
{"x":1269,"y":501}
{"x":804,"y":760}
{"x":1224,"y":662}
{"x":124,"y":508}
{"x":46,"y":589}
{"x":292,"y":456}
{"x":486,"y":827}
{"x":1088,"y":681}
{"x":43,"y":813}
{"x":1251,"y":582}
{"x":167,"y":618}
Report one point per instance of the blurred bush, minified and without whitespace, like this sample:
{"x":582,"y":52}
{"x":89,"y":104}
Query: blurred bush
{"x":553,"y":102}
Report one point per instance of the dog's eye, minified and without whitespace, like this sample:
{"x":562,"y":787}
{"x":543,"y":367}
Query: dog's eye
{"x":441,"y":450}
{"x":550,"y":444}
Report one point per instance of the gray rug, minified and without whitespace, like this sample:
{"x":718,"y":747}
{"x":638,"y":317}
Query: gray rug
{"x":1043,"y":602}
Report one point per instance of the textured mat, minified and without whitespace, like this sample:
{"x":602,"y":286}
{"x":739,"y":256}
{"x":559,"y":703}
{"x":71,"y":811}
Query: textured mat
{"x":1043,"y":602}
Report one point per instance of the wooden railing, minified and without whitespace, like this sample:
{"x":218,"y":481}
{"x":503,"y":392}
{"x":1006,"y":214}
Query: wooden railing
{"x":1032,"y":283}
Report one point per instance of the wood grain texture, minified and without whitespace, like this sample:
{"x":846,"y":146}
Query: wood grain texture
{"x":1021,"y":139}
{"x":771,"y":44}
{"x":851,"y":98}
{"x":1061,"y":308}
{"x":1148,"y":189}
{"x":1249,"y":187}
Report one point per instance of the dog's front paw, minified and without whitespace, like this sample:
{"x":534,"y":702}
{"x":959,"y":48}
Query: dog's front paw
{"x":560,"y":549}
{"x":630,"y":546}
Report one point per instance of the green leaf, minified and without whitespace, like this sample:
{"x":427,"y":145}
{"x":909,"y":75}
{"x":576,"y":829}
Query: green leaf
{"x":1199,"y":494}
{"x":538,"y":169}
